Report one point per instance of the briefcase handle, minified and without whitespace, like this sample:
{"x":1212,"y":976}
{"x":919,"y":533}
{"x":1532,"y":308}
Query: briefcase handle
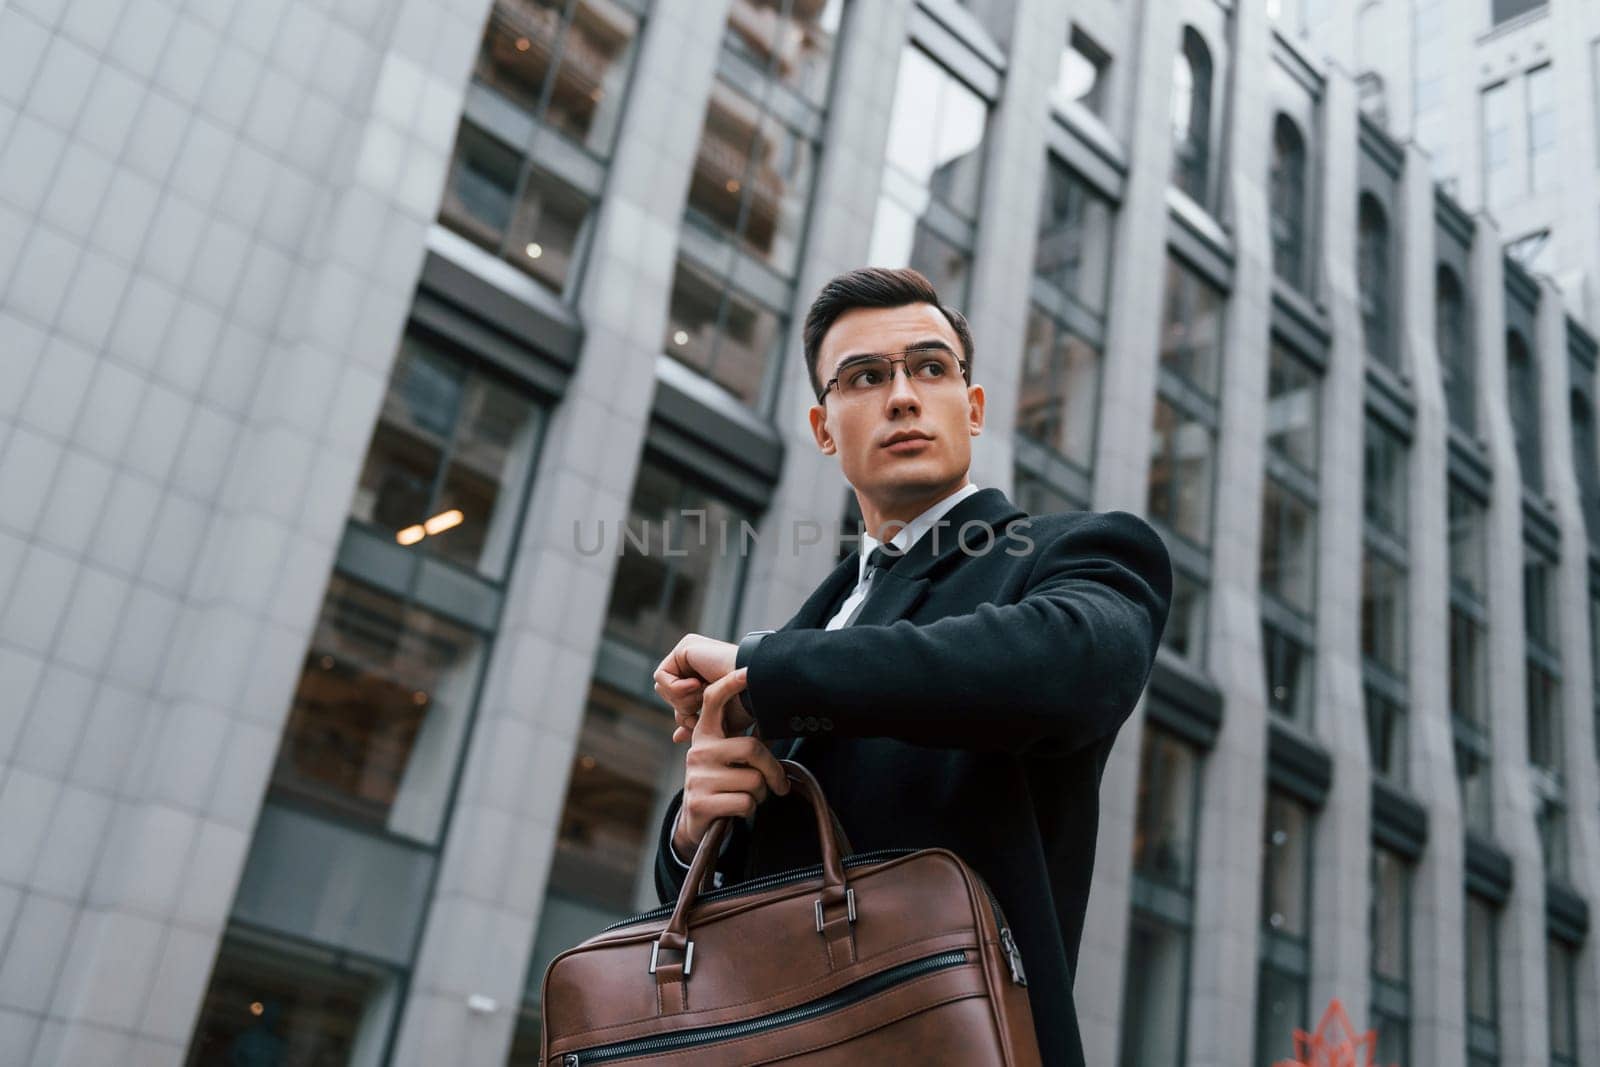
{"x":675,"y":937}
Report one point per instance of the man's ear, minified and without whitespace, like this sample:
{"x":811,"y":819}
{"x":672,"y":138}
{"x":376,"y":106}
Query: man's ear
{"x":975,"y":409}
{"x":819,"y":429}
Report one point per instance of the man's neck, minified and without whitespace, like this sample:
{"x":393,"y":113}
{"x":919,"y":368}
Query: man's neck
{"x":897,"y":515}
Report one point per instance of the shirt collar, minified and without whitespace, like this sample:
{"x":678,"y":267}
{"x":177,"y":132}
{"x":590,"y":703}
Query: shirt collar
{"x":912,"y":532}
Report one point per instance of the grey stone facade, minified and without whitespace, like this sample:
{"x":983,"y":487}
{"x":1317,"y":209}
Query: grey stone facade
{"x":214,"y":222}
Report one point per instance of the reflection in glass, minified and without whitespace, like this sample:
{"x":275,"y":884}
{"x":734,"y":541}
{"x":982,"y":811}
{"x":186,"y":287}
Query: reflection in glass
{"x":1191,"y":327}
{"x":1286,"y":866}
{"x":1469,"y":564}
{"x":1544,"y":716}
{"x":1391,"y":903}
{"x":1164,"y":817}
{"x":1455,"y":354}
{"x":1383,"y":613}
{"x":681,"y":558}
{"x":1561,"y":979}
{"x":448,"y":461}
{"x":284,"y":1005}
{"x":1477,"y":796}
{"x":1180,"y":472}
{"x":1288,"y":546}
{"x":380,"y":711}
{"x":1482,"y":920}
{"x":794,"y":46}
{"x":1153,"y":1007}
{"x":1290,"y":665}
{"x":1293,"y":407}
{"x":1288,"y":190}
{"x":1372,"y":278}
{"x":1386,"y":734}
{"x":1522,"y":396}
{"x":1551,"y":821}
{"x":720,"y":332}
{"x":624,"y":766}
{"x":511,"y":207}
{"x":1075,"y":234}
{"x":1082,"y":75}
{"x":1186,"y":618}
{"x":1384,"y":478}
{"x":1280,"y":1010}
{"x":1059,"y":389}
{"x":1191,"y":117}
{"x":1467,"y":667}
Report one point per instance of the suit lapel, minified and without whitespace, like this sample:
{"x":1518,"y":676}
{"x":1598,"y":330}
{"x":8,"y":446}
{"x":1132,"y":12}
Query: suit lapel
{"x":897,"y":593}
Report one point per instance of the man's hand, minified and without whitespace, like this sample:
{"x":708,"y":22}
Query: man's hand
{"x":724,"y":775}
{"x":681,"y":679}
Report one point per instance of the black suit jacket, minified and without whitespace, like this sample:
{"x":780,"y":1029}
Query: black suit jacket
{"x":971,"y":706}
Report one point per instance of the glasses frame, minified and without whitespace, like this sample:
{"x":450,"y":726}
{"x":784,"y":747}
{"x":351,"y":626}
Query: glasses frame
{"x":904,"y":354}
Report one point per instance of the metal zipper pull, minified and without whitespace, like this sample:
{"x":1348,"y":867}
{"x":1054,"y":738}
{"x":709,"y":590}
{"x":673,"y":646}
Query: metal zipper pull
{"x":570,"y":1060}
{"x":1013,"y":959}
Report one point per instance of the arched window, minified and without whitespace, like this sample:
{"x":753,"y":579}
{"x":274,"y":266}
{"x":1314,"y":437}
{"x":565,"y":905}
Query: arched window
{"x":1450,"y":335}
{"x":1522,"y":395}
{"x":1372,"y":269}
{"x":1191,"y":116}
{"x":1586,"y":461}
{"x":1288,"y":183}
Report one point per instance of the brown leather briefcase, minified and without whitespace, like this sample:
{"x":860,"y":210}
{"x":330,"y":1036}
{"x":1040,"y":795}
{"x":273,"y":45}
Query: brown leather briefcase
{"x":889,"y":957}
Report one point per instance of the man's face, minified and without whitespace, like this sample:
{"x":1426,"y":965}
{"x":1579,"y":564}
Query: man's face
{"x":858,"y":425}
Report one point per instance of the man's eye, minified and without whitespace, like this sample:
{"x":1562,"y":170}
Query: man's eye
{"x":931,"y":369}
{"x":865,"y":377}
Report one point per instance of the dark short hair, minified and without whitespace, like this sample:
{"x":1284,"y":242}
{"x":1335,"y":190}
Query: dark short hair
{"x":874,"y":287}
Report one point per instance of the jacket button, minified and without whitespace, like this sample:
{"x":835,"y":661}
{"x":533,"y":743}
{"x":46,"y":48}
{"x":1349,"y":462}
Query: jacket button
{"x":797,"y":724}
{"x":826,"y":723}
{"x":811,"y":722}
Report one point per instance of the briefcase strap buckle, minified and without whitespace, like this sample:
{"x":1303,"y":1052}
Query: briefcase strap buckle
{"x":688,"y":957}
{"x":849,"y":906}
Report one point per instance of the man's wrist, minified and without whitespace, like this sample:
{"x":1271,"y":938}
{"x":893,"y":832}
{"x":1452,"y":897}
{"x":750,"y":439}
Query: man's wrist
{"x":741,"y":658}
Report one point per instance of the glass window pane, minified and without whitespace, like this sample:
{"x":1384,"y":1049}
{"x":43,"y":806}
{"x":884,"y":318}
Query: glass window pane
{"x":1287,"y":190}
{"x":748,"y":344}
{"x":1083,"y":74}
{"x":546,"y":234}
{"x":1180,"y":472}
{"x":1191,"y":117}
{"x":1384,"y":478}
{"x":1290,"y":681}
{"x":1164,"y":820}
{"x":380,"y":711}
{"x":1038,"y":497}
{"x":1157,"y":982}
{"x":1503,"y":178}
{"x":780,"y":188}
{"x":592,"y":73}
{"x":1551,"y":821}
{"x":1186,"y":618}
{"x":1467,"y":668}
{"x":1280,"y":1010}
{"x":1477,"y":797}
{"x":1074,"y":241}
{"x":1468,"y":550}
{"x":1286,"y":870}
{"x":1293,"y":407}
{"x":1561,"y":980}
{"x":1394,"y":1040}
{"x":1481,"y":960}
{"x":270,"y":1004}
{"x":722,"y":159}
{"x":518,"y":45}
{"x":481,"y":188}
{"x":1059,"y":389}
{"x":624,"y":771}
{"x":1386,"y":734}
{"x":494,"y":446}
{"x":958,"y":147}
{"x":1542,"y":165}
{"x":692,"y":316}
{"x":1522,"y":396}
{"x":1373,"y":275}
{"x":1288,"y":547}
{"x":945,"y":264}
{"x":1391,"y":903}
{"x":1191,"y":327}
{"x":1544,"y":717}
{"x":1383,"y":613}
{"x":1455,"y":355}
{"x":680,"y":562}
{"x":1539,"y":602}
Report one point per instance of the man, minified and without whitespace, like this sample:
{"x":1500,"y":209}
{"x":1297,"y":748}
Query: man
{"x":965,"y":694}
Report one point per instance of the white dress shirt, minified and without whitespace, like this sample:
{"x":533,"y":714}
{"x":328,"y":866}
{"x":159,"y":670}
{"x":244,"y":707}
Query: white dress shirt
{"x":903,"y":540}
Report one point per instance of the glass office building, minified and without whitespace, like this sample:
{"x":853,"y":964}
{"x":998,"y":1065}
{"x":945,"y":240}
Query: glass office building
{"x":372,"y":374}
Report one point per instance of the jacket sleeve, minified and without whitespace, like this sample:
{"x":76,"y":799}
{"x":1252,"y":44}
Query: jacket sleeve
{"x":1063,"y":666}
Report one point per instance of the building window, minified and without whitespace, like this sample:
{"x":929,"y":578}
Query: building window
{"x":1502,"y":178}
{"x":1083,"y":76}
{"x":1483,"y":1016}
{"x":1372,"y":265}
{"x":1191,"y":327}
{"x":1153,"y":1019}
{"x":1289,"y":532}
{"x":273,"y":1002}
{"x":1522,"y":394}
{"x":1550,"y":819}
{"x":1455,"y":351}
{"x":1191,"y":117}
{"x":1181,"y":463}
{"x":1060,"y":388}
{"x":565,"y":67}
{"x":1285,"y":943}
{"x":1391,"y":956}
{"x":1290,"y":672}
{"x":750,"y":195}
{"x":1543,"y":165}
{"x":1586,"y":460}
{"x":380,"y":713}
{"x":1506,"y":10}
{"x":1384,"y":603}
{"x":1543,"y":663}
{"x":447,"y":467}
{"x":1186,"y":618}
{"x":1469,"y":650}
{"x":934,"y":160}
{"x":1561,"y":979}
{"x":1288,"y":198}
{"x":1073,"y":253}
{"x":1384,"y":478}
{"x":1288,"y":547}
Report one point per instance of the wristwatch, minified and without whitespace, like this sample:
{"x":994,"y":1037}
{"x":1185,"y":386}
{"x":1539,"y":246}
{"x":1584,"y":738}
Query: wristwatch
{"x":741,"y":658}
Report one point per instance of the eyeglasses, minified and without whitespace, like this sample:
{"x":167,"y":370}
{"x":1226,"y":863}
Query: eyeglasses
{"x":860,"y":376}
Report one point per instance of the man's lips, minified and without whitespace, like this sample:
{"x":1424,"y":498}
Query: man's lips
{"x":901,"y":440}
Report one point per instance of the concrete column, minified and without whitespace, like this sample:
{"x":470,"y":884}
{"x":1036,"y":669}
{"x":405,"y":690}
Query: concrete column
{"x":1524,"y":1033}
{"x":1571,"y":589}
{"x":1340,"y":889}
{"x":484,"y":914}
{"x":1121,"y":477}
{"x":1438,"y":978}
{"x":265,"y":176}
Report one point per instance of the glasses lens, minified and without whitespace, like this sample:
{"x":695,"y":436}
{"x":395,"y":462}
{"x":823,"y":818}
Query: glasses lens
{"x":864,"y":373}
{"x":931,"y":365}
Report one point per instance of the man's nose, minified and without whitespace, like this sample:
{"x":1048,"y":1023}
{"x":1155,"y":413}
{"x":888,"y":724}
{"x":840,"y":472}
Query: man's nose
{"x":902,"y":394}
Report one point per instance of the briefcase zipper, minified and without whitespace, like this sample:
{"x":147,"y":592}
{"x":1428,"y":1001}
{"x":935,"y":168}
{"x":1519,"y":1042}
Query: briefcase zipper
{"x":1008,"y":943}
{"x":838,"y":1000}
